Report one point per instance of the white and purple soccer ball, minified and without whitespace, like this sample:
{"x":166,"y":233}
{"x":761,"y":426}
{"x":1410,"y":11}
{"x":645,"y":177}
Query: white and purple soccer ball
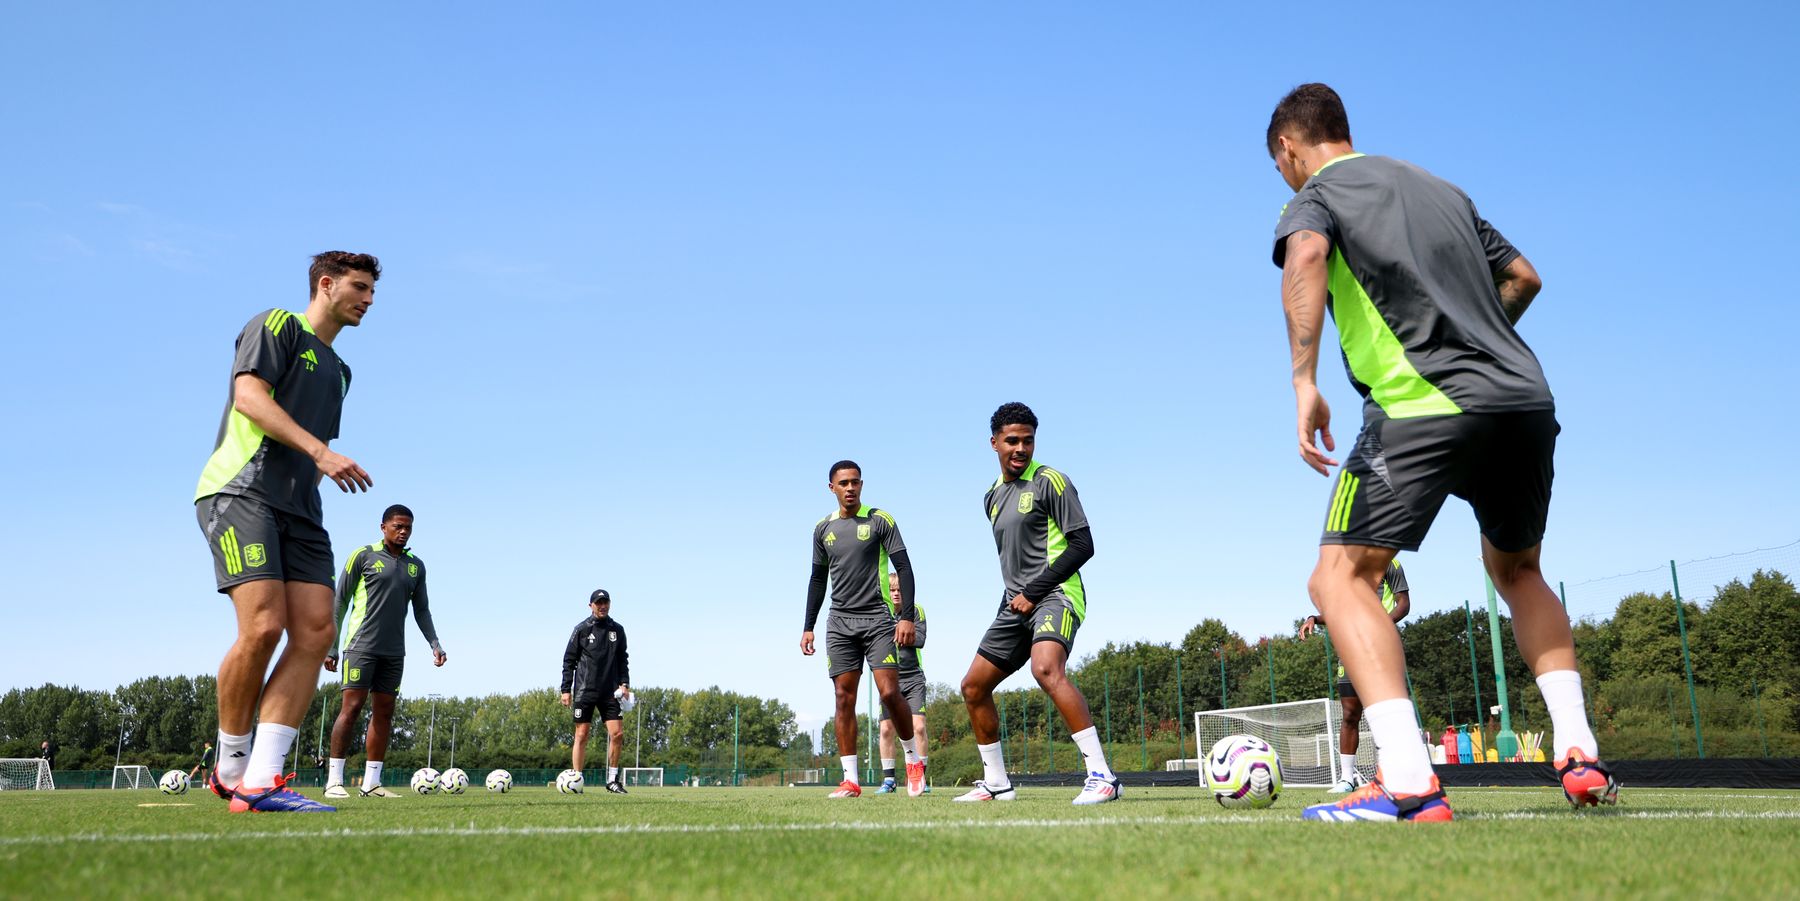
{"x":570,"y":782}
{"x":173,"y":782}
{"x":1243,"y":772}
{"x":425,"y":781}
{"x":499,"y":781}
{"x":453,"y":781}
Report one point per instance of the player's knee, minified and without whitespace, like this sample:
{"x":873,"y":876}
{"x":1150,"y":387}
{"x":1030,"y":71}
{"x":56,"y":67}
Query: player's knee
{"x":1509,"y":570}
{"x":973,"y":692}
{"x":1048,"y":673}
{"x":261,"y":634}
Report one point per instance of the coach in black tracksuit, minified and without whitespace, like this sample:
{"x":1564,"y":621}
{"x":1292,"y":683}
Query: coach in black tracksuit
{"x":595,"y":667}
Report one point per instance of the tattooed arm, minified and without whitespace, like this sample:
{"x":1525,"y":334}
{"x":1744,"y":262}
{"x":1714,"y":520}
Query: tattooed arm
{"x":1519,"y":284}
{"x":1304,"y":293}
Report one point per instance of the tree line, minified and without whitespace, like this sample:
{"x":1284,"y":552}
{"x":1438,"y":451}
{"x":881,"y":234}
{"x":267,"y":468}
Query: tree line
{"x":1744,"y":647}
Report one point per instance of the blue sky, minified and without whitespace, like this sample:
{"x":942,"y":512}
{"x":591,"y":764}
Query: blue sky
{"x":650,"y":270}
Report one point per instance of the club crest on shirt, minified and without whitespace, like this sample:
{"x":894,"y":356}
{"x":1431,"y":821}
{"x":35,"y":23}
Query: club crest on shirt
{"x":612,"y":636}
{"x":862,"y":532}
{"x":412,"y":569}
{"x":1025,"y":499}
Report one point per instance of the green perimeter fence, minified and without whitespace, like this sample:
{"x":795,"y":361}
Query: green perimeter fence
{"x":1689,"y":658}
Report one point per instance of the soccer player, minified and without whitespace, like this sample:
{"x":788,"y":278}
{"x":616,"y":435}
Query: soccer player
{"x":596,"y":673}
{"x":1425,"y":294}
{"x":852,"y":548}
{"x":258,"y":505}
{"x":205,"y":765}
{"x":378,"y":584}
{"x":1397,"y":601}
{"x":912,"y":687}
{"x":1043,"y":538}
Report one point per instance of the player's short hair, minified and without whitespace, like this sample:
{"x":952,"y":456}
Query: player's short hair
{"x":339,"y":263}
{"x":1013,"y":413}
{"x":842,"y":464}
{"x":1314,"y":113}
{"x":396,"y":510}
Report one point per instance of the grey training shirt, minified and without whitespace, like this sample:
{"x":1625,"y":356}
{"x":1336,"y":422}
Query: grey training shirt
{"x":1412,"y":291}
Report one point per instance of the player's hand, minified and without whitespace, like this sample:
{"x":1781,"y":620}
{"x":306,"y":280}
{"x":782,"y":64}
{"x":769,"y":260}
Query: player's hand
{"x":331,"y":664}
{"x":1314,"y":416}
{"x":806,"y":643}
{"x":1308,"y":626}
{"x":342,"y":470}
{"x":438,"y":657}
{"x":623,"y":691}
{"x":905,"y":633}
{"x":1020,"y":604}
{"x":564,"y":700}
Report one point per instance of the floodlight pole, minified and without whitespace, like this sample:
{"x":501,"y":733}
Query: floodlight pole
{"x":431,"y":731}
{"x":119,"y":753}
{"x":453,"y":721}
{"x":1506,"y":744}
{"x":1687,"y":664}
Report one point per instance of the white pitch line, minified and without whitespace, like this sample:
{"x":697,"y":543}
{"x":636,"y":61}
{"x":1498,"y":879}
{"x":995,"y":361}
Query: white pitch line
{"x":1630,"y":792}
{"x":472,"y":831}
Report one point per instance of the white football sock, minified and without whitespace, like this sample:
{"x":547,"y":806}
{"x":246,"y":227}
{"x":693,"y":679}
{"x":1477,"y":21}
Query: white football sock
{"x":923,"y":760}
{"x":267,"y":753}
{"x":612,"y":774}
{"x":993,"y":765}
{"x":1347,"y":763}
{"x":371,"y":774}
{"x":1088,"y":740}
{"x":234,"y":758}
{"x":1568,"y":714}
{"x":1399,"y":749}
{"x":337,"y":772}
{"x":911,"y":745}
{"x":887,"y":767}
{"x":849,"y":762}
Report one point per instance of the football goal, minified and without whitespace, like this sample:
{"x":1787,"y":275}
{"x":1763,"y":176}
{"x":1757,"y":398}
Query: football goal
{"x":132,"y":776}
{"x":17,"y":773}
{"x":641,"y":775}
{"x":1303,"y":733}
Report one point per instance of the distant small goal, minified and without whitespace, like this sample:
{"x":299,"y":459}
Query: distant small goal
{"x":1303,"y":733}
{"x":642,"y":775}
{"x":25,"y":773}
{"x":132,"y":776}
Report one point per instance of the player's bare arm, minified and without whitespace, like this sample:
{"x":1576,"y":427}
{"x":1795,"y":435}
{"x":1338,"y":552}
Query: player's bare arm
{"x":1304,"y":293}
{"x":1519,"y":285}
{"x":251,"y":397}
{"x":1402,"y":605}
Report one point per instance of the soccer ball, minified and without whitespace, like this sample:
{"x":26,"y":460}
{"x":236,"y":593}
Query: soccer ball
{"x":173,"y":782}
{"x":1243,"y":772}
{"x":569,"y":782}
{"x":425,"y":781}
{"x":453,"y":781}
{"x":499,"y":781}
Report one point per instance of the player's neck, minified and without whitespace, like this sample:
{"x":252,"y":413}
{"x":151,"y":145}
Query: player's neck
{"x":849,"y":512}
{"x":323,"y":325}
{"x":1318,"y":156}
{"x":1007,"y":475}
{"x":396,"y":550}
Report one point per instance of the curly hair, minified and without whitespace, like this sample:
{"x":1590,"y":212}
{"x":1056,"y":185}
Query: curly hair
{"x":339,"y":263}
{"x":1315,"y":112}
{"x":1013,"y":413}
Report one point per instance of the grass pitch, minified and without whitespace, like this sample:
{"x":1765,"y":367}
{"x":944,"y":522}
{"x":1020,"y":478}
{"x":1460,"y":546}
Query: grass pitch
{"x":779,"y":842}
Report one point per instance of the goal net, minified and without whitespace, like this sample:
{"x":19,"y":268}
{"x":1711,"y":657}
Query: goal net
{"x":1303,"y":733}
{"x":641,"y":775}
{"x":18,"y":773}
{"x":132,"y":777}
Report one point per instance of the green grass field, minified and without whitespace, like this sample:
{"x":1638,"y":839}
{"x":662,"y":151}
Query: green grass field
{"x":781,"y":842}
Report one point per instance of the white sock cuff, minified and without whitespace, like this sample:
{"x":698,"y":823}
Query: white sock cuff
{"x":1089,"y":732}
